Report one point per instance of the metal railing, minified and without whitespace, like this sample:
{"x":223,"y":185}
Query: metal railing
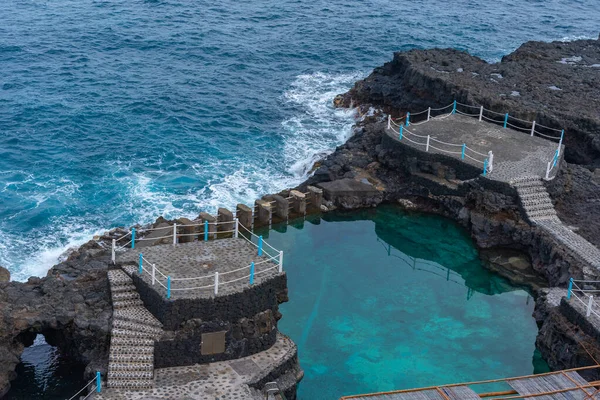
{"x":216,"y":279}
{"x":584,"y":296}
{"x":97,"y":382}
{"x":462,"y":149}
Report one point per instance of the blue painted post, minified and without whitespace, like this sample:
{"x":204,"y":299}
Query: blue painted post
{"x":98,"y":382}
{"x":555,"y":159}
{"x":505,"y":120}
{"x":570,"y":288}
{"x":141,"y":270}
{"x":407,"y":119}
{"x":133,"y":238}
{"x":252,"y":273}
{"x":260,"y":240}
{"x":454,"y":107}
{"x":462,"y":156}
{"x":206,"y":231}
{"x":401,"y":129}
{"x":485,"y":167}
{"x":168,"y":287}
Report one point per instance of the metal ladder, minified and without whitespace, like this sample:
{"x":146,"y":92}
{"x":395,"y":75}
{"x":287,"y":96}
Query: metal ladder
{"x":272,"y":391}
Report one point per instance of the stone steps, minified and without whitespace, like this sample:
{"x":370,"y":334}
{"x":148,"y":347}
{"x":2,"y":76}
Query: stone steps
{"x":124,"y":366}
{"x":132,"y":384}
{"x":138,"y":315}
{"x":134,"y":330}
{"x":128,"y":341}
{"x":121,"y":296}
{"x":120,"y":304}
{"x":127,"y":375}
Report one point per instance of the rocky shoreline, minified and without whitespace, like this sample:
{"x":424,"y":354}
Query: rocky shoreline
{"x":72,"y":307}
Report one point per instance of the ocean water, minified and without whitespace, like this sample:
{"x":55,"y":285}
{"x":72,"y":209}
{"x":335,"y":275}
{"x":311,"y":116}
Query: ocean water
{"x":383,"y":300}
{"x":115,"y":112}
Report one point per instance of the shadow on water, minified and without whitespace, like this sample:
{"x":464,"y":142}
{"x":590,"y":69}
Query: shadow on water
{"x":382,"y":299}
{"x":44,"y":373}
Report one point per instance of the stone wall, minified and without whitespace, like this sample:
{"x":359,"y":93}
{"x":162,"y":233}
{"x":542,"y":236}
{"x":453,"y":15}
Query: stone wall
{"x":244,"y":337}
{"x":249,"y":301}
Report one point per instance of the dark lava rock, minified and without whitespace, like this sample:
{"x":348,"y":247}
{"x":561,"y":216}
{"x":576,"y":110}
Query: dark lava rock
{"x":4,"y":275}
{"x":556,"y":84}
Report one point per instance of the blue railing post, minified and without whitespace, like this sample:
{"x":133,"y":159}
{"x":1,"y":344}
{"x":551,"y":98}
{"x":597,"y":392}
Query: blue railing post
{"x":485,"y":167}
{"x":98,"y":382}
{"x":252,"y":273}
{"x":555,"y":158}
{"x":206,"y":230}
{"x":141,"y":263}
{"x":133,"y":238}
{"x":401,"y":129}
{"x":407,"y":119}
{"x":168,"y":287}
{"x":462,"y":155}
{"x":260,"y":240}
{"x":454,"y":107}
{"x":570,"y":288}
{"x":506,"y":120}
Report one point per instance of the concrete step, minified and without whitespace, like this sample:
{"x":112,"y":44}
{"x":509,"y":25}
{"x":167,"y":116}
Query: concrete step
{"x":131,"y":358}
{"x":119,"y":304}
{"x":123,"y":366}
{"x":530,"y":190}
{"x":521,"y":179}
{"x":118,"y":277}
{"x":541,"y":213}
{"x":127,"y":375}
{"x":126,"y":349}
{"x":130,"y":384}
{"x":129,"y":269}
{"x":126,"y":341}
{"x":538,"y":206}
{"x":126,"y":333}
{"x":135,"y":326}
{"x":529,"y":184}
{"x":129,"y":287}
{"x":120,"y":296}
{"x":137,"y":314}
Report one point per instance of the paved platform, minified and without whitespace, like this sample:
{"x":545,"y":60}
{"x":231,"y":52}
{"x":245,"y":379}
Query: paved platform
{"x":220,"y":380}
{"x":228,"y":257}
{"x":516,"y":153}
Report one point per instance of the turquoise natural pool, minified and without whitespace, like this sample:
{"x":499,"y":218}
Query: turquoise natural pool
{"x":383,"y":300}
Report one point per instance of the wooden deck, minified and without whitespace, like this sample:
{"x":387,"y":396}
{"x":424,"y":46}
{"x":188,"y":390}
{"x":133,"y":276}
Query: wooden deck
{"x":560,"y":385}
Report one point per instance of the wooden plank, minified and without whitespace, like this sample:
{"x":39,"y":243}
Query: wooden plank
{"x":550,"y":383}
{"x":460,"y":393}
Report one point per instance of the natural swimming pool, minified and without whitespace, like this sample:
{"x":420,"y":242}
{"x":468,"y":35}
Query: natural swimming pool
{"x":381,"y":300}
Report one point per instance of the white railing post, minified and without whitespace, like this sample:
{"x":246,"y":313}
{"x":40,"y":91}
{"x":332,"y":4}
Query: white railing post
{"x":428,"y":113}
{"x":389,"y":121}
{"x":153,"y":273}
{"x":532,"y":128}
{"x":548,"y":170}
{"x":589,"y":306}
{"x":280,"y":261}
{"x":427,"y":146}
{"x":216,"y":283}
{"x":114,"y":245}
{"x":490,"y":161}
{"x":236,"y":229}
{"x":175,"y":233}
{"x":480,"y":113}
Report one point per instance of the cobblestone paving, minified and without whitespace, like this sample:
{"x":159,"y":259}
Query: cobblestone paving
{"x":220,"y":380}
{"x":516,"y":153}
{"x":199,"y":261}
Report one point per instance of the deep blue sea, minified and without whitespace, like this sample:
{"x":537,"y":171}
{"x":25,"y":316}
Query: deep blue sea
{"x":116,"y":112}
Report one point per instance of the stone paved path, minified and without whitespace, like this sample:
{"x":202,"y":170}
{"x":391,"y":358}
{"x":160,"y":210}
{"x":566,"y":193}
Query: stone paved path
{"x":220,"y":380}
{"x":519,"y":160}
{"x":230,"y":257}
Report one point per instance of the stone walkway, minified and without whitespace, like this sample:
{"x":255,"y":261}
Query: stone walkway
{"x":520,"y":160}
{"x":220,"y":380}
{"x":516,"y":153}
{"x":230,"y":257}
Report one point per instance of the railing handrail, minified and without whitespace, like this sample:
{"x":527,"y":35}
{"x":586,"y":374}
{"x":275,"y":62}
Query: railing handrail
{"x":277,"y":259}
{"x":591,"y":301}
{"x":96,"y":380}
{"x":507,"y":117}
